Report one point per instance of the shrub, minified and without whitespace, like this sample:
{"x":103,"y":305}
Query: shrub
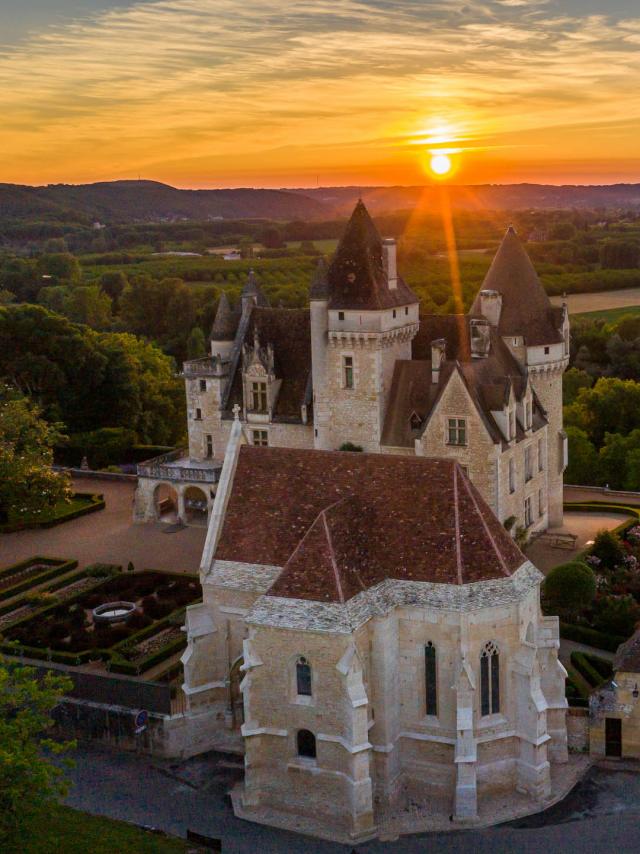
{"x":617,"y":615}
{"x":594,"y":677}
{"x":569,"y":588}
{"x":349,"y":446}
{"x":608,"y":548}
{"x":102,"y":570}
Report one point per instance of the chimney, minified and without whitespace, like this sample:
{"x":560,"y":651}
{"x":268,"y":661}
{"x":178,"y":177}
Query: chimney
{"x":389,"y":259}
{"x":438,"y":350}
{"x":480,"y":338}
{"x":491,"y":306}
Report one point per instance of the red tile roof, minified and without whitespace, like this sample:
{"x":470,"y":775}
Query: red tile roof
{"x":341,"y":522}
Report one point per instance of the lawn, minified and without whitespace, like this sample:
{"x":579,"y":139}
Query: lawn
{"x":67,"y":831}
{"x":610,"y":315}
{"x":79,"y":504}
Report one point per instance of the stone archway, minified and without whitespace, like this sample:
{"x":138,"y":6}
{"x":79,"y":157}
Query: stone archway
{"x":165,"y":503}
{"x":236,"y":702}
{"x":196,"y":506}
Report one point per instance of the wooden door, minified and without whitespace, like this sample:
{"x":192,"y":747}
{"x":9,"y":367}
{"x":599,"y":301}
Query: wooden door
{"x":613,"y":737}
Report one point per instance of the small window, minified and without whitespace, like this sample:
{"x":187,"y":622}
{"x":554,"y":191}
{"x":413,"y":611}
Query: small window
{"x":394,"y":313}
{"x":261,"y":438}
{"x":341,"y":315}
{"x":306,"y":744}
{"x":515,"y":342}
{"x":259,"y":396}
{"x":457,"y":431}
{"x":209,"y":441}
{"x":303,"y":677}
{"x":512,"y":476}
{"x":540,"y":455}
{"x":198,"y":415}
{"x":489,"y":680}
{"x":528,"y":468}
{"x":430,"y":676}
{"x":540,"y":503}
{"x":203,"y":385}
{"x":546,"y":351}
{"x":528,"y":512}
{"x":406,"y":310}
{"x":347,"y":370}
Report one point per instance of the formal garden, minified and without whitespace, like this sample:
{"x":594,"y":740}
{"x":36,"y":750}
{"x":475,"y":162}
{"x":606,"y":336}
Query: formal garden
{"x":123,"y":621}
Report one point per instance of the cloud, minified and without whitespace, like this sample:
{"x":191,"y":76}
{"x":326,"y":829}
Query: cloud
{"x":157,"y":84}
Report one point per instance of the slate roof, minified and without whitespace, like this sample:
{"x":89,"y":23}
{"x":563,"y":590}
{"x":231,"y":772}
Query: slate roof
{"x":526,"y":309}
{"x":253,"y":289}
{"x":339,"y":523}
{"x":356,"y":278}
{"x":225,"y":322}
{"x":488,"y":380}
{"x":288,"y":331}
{"x":627,"y":658}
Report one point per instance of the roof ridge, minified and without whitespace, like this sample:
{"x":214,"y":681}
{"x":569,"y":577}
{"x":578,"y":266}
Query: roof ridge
{"x":503,"y":565}
{"x":456,"y":513}
{"x":332,"y":556}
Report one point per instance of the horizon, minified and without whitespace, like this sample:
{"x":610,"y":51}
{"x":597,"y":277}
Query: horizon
{"x":218,"y":94}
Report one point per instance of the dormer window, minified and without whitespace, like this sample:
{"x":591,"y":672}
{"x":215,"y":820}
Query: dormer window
{"x":259,"y":396}
{"x":416,"y":421}
{"x":457,"y":431}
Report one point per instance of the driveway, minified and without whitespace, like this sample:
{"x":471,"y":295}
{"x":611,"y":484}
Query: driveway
{"x":602,"y":814}
{"x":109,"y":536}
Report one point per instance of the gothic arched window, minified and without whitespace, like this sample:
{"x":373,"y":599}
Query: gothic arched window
{"x":430,"y":679}
{"x":306,"y":744}
{"x":489,"y":679}
{"x":303,"y":677}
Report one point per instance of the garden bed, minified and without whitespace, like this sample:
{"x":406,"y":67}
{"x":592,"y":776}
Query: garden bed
{"x":65,"y":631}
{"x":26,"y":574}
{"x":80,"y":504}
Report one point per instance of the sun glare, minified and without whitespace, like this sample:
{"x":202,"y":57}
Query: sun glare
{"x":440,"y":165}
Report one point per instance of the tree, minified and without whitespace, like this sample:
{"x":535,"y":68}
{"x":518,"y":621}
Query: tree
{"x":608,"y":549}
{"x":619,"y":460}
{"x":28,"y":484}
{"x":30,"y":778}
{"x":196,"y":345}
{"x":611,"y":406}
{"x":572,"y":382}
{"x":583,"y":465}
{"x":163,"y":311}
{"x":617,"y":615}
{"x":272,"y":238}
{"x":619,"y":255}
{"x":113,"y":284}
{"x":562,"y":231}
{"x":62,"y":267}
{"x":84,"y":304}
{"x":569,"y":589}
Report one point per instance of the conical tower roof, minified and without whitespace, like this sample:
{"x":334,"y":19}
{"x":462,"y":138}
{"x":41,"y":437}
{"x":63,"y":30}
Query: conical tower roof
{"x":225,"y":322}
{"x":356,"y":277}
{"x":526,"y":308}
{"x":252,"y":289}
{"x":319,"y":289}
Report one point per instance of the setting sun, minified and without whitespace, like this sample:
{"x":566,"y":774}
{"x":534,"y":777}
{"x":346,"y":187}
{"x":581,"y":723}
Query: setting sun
{"x":440,"y":164}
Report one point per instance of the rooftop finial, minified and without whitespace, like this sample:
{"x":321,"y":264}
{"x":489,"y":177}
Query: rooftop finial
{"x":236,"y":412}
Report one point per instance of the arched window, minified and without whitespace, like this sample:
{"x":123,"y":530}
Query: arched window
{"x":303,"y":677}
{"x":489,"y":679}
{"x":430,"y":677}
{"x":306,"y":744}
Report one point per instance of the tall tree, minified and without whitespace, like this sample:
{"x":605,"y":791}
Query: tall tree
{"x":30,"y":777}
{"x":28,"y":484}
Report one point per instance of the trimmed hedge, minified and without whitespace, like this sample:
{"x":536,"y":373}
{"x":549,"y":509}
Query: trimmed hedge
{"x":59,"y":566}
{"x":590,"y":637}
{"x":583,"y":664}
{"x":131,"y":668}
{"x":97,"y":502}
{"x":574,"y":694}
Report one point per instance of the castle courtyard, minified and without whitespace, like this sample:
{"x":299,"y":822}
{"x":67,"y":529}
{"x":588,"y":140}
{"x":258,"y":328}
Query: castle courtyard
{"x":109,"y":536}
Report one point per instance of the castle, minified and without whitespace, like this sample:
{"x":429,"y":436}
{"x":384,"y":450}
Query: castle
{"x":370,"y":634}
{"x":362,"y":367}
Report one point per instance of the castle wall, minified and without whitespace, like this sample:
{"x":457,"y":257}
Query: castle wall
{"x":547,"y":382}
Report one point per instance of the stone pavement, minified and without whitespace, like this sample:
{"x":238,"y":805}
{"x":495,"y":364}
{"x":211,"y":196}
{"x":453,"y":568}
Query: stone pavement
{"x":601,"y":814}
{"x":585,"y":526}
{"x":109,"y":536}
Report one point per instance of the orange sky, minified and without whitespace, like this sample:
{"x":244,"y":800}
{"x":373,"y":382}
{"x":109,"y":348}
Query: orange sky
{"x":214,"y":93}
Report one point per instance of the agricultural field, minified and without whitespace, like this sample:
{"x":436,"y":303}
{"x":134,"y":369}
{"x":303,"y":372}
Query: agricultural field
{"x":608,"y":305}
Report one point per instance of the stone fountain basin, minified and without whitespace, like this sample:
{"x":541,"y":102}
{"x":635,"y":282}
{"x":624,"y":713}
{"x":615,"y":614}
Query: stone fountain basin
{"x":113,"y":612}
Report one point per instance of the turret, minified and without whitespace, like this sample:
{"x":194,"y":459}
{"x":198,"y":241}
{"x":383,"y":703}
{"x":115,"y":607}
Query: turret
{"x":224,"y":328}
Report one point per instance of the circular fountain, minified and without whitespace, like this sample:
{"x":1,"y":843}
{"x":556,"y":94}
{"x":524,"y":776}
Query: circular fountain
{"x":113,"y":612}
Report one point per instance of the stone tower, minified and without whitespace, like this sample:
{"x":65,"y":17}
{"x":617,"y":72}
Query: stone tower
{"x":363,"y":319}
{"x":514,"y":301}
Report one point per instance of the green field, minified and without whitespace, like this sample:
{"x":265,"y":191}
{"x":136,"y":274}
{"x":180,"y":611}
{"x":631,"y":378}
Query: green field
{"x":327,"y":247}
{"x":67,"y":831}
{"x":609,"y":315}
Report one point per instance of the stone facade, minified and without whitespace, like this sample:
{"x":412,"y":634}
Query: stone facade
{"x":396,"y":705}
{"x":339,"y":383}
